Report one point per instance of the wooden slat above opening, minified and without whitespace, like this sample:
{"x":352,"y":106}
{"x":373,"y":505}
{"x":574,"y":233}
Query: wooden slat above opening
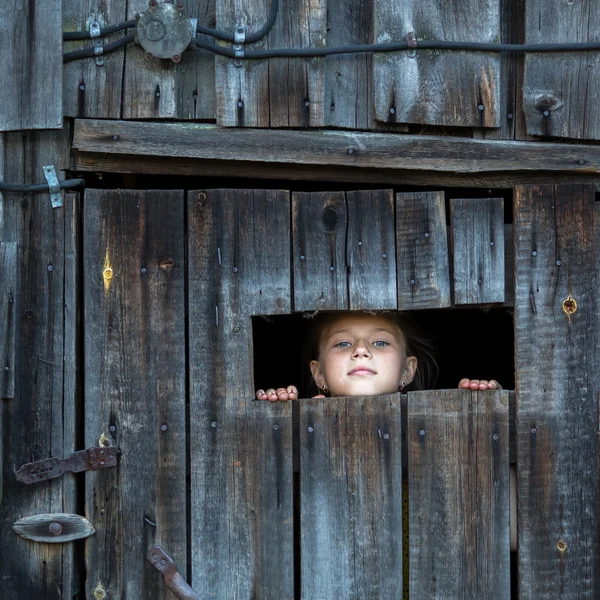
{"x":437,"y":87}
{"x":560,"y":90}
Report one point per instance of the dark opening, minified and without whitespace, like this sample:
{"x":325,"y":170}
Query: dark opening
{"x":473,"y":343}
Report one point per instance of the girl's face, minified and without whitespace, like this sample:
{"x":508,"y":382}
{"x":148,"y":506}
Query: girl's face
{"x":362,"y":355}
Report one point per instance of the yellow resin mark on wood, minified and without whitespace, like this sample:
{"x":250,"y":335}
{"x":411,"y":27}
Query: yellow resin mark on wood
{"x":99,"y":592}
{"x":103,"y":441}
{"x":107,"y":273}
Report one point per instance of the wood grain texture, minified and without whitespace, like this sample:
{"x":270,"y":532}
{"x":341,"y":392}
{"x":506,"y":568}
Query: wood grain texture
{"x":36,"y":423}
{"x":420,"y":89}
{"x":335,"y":148}
{"x":8,"y":318}
{"x":272,"y":92}
{"x":89,"y":90}
{"x":351,"y":498}
{"x":557,"y":237}
{"x":241,"y":457}
{"x":478,"y":250}
{"x":319,"y":222}
{"x":31,"y":66}
{"x":560,"y":89}
{"x":134,"y":386}
{"x":371,"y":250}
{"x":162,"y":89}
{"x":458,"y":482}
{"x":422,"y":251}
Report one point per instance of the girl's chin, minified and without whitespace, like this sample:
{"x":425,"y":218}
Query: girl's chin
{"x":363,"y":389}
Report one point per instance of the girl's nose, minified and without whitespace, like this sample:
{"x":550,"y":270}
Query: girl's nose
{"x":361,"y":350}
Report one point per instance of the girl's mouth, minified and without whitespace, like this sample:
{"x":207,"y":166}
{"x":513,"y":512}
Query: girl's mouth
{"x":362,"y":372}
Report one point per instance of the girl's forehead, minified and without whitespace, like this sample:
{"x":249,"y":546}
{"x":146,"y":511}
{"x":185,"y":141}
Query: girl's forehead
{"x":349,"y":322}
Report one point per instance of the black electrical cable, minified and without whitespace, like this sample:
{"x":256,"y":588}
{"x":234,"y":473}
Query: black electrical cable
{"x":395,"y":46}
{"x":69,"y":36}
{"x":66,"y":184}
{"x":252,"y":37}
{"x":107,"y":49}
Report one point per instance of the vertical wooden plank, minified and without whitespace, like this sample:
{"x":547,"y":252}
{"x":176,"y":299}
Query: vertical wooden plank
{"x":35,"y":424}
{"x":135,"y":387}
{"x":560,"y":89}
{"x":458,"y":481}
{"x":419,"y":89}
{"x":272,"y":92}
{"x":319,"y":222}
{"x":478,"y":244}
{"x":422,"y":251}
{"x":161,"y":89}
{"x":90,"y":90}
{"x":371,"y":250}
{"x":8,"y":290}
{"x":351,"y":498}
{"x":241,"y":449}
{"x":31,"y":66}
{"x":557,"y":237}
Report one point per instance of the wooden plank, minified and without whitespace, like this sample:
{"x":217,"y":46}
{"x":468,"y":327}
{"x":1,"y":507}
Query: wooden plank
{"x":319,"y":222}
{"x":161,"y":89}
{"x":278,"y":92}
{"x":351,"y":498}
{"x":89,"y":90}
{"x":557,"y":237}
{"x":458,"y":482}
{"x":8,"y":317}
{"x":36,"y":424}
{"x":371,"y":250}
{"x":560,"y":89}
{"x":478,"y":245}
{"x":240,"y":453}
{"x":31,"y":66}
{"x":135,"y":387}
{"x":422,"y":251}
{"x":419,"y":89}
{"x":338,"y":148}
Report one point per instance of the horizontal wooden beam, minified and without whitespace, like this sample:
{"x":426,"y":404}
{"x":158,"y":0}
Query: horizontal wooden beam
{"x":340,"y":149}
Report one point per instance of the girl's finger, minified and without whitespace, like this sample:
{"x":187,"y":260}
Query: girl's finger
{"x":293,"y":392}
{"x":271,"y":395}
{"x":260,"y":394}
{"x":474,"y":384}
{"x":496,"y":385}
{"x":464,"y":383}
{"x":483,"y":384}
{"x":282,"y":394}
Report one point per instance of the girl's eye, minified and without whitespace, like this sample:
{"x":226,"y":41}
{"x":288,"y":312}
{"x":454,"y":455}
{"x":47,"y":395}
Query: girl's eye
{"x":380,"y":344}
{"x":343,"y":345}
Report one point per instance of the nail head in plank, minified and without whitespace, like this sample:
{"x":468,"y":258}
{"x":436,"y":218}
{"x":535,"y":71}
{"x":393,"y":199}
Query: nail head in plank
{"x":422,"y":251}
{"x":478,"y":245}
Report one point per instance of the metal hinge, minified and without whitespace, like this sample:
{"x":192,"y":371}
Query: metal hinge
{"x":84,"y":460}
{"x":173,"y":579}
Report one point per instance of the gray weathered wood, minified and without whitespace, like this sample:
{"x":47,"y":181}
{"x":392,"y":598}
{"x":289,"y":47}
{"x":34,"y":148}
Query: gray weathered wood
{"x":509,"y":266}
{"x":36,"y":423}
{"x":437,"y":87}
{"x":336,"y":148}
{"x":8,"y":318}
{"x":161,"y":89}
{"x":319,"y":222}
{"x":240,"y":449}
{"x":557,"y":241}
{"x":371,"y":250}
{"x":478,"y":250}
{"x":272,"y":92}
{"x":458,"y":482}
{"x":134,"y":386}
{"x":31,"y":66}
{"x":560,"y":90}
{"x":422,"y":251}
{"x":351,"y":498}
{"x":90,"y":90}
{"x":40,"y":528}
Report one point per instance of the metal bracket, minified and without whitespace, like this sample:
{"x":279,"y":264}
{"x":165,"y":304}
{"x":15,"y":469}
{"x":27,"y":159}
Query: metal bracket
{"x":54,"y":186}
{"x":84,"y":460}
{"x":158,"y":558}
{"x":97,"y":42}
{"x":239,"y":38}
{"x":412,"y":44}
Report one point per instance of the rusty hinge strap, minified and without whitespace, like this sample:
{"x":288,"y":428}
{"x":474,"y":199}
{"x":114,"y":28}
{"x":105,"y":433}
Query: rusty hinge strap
{"x":84,"y":460}
{"x":173,"y":579}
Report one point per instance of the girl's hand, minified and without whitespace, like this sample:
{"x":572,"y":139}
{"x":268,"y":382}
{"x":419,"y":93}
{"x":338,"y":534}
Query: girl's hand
{"x":281,"y":394}
{"x":479,"y":384}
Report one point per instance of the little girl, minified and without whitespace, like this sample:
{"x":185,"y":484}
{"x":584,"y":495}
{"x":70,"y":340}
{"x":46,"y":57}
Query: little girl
{"x":369,"y":354}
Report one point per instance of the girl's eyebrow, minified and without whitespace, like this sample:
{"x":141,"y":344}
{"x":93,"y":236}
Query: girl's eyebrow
{"x":348,"y":329}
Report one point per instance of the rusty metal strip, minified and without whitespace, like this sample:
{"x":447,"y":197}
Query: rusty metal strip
{"x":83,"y":460}
{"x":174,"y":581}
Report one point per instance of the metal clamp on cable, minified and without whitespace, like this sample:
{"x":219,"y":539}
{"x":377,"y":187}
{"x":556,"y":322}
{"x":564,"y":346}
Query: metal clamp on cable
{"x":412,"y":44}
{"x":53,"y":186}
{"x":97,"y":42}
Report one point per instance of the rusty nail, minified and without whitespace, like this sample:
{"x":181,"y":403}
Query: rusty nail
{"x":55,"y":528}
{"x":561,"y":546}
{"x":148,"y":56}
{"x":176,"y":58}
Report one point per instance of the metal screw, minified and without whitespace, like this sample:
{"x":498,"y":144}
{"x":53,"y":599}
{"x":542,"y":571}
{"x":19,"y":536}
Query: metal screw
{"x":360,"y":243}
{"x":154,"y":556}
{"x":213,"y":424}
{"x":558,"y":263}
{"x":148,"y":56}
{"x":240,"y":104}
{"x":495,"y":436}
{"x":480,"y":107}
{"x":302,"y":257}
{"x":275,"y":427}
{"x":101,"y":451}
{"x":236,"y":329}
{"x":50,"y":268}
{"x":581,"y":161}
{"x":392,"y":110}
{"x":115,"y":137}
{"x":55,"y":528}
{"x":310,"y":429}
{"x":509,"y":115}
{"x":163,"y":427}
{"x":112,"y":428}
{"x":82,"y":87}
{"x":412,"y":282}
{"x":235,"y":269}
{"x":426,"y":234}
{"x":384,"y":255}
{"x":144,"y":270}
{"x":307,"y":103}
{"x":386,"y":436}
{"x":101,"y":462}
{"x":533,"y":430}
{"x":176,"y":58}
{"x":163,"y":562}
{"x":6,"y":368}
{"x":534,"y":253}
{"x":421,"y":432}
{"x":492,"y":244}
{"x":350,"y":150}
{"x":546,"y":113}
{"x":332,"y":268}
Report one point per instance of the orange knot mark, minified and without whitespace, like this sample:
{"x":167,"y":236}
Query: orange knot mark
{"x":569,"y":305}
{"x":561,"y":546}
{"x":167,"y":265}
{"x":107,"y":274}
